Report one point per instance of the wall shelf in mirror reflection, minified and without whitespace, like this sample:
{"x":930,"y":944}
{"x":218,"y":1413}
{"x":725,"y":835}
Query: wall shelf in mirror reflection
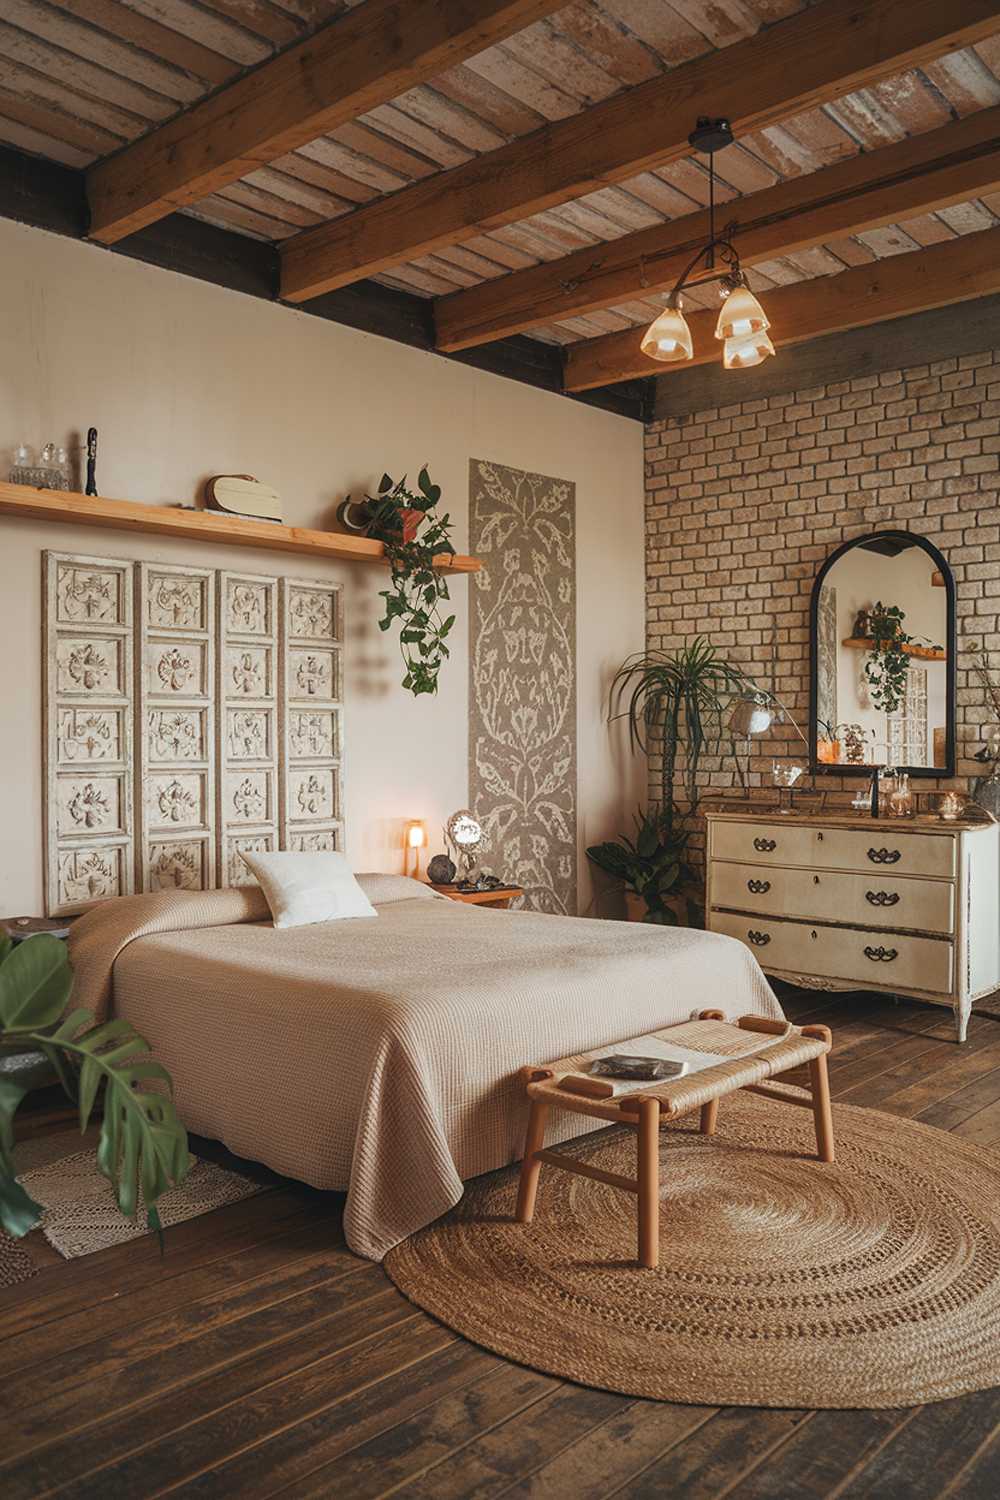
{"x":922,"y":653}
{"x":882,"y":680}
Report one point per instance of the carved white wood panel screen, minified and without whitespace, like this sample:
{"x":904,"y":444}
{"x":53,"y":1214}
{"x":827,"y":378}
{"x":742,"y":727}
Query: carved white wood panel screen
{"x":176,"y":727}
{"x":234,"y":709}
{"x":312,"y":789}
{"x":87,"y":696}
{"x":248,"y":738}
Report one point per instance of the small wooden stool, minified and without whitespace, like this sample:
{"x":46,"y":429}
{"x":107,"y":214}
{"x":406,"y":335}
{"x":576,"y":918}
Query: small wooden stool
{"x":745,"y":1062}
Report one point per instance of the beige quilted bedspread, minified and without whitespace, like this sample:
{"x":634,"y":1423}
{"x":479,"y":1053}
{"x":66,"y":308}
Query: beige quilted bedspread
{"x":381,"y":1057}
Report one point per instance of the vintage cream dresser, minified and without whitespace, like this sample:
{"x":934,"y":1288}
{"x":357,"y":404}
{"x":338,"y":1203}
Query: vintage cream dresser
{"x":857,"y":903}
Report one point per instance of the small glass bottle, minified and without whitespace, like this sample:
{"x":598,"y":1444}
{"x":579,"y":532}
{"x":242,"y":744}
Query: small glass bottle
{"x":901,"y":800}
{"x":23,"y":463}
{"x":63,"y":470}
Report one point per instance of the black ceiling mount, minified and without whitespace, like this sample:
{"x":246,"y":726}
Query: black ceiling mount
{"x":710,"y":135}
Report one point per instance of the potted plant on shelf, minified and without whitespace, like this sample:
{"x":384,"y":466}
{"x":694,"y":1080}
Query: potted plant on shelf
{"x":413,"y":538}
{"x":888,"y":663}
{"x":651,"y":867}
{"x":143,"y":1147}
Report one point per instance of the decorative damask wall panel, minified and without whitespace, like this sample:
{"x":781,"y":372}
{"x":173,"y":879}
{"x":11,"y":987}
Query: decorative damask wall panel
{"x":312,"y":793}
{"x":248,"y":733}
{"x":87,"y":662}
{"x":176,"y":727}
{"x":522,"y":736}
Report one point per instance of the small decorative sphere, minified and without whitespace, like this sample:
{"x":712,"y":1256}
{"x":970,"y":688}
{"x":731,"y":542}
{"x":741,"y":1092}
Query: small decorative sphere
{"x":441,"y":870}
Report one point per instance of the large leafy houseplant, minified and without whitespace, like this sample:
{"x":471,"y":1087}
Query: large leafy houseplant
{"x":675,"y":701}
{"x":143,"y":1148}
{"x":652,"y":864}
{"x":401,"y":518}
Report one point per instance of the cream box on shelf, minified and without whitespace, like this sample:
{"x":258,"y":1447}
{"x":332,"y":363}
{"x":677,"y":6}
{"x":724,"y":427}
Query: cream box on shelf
{"x":857,"y":903}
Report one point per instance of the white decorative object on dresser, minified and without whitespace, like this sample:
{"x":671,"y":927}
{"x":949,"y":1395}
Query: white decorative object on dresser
{"x":844,"y":902}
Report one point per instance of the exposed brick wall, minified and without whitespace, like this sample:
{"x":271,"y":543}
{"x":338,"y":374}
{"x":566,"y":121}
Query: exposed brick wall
{"x":743,"y":504}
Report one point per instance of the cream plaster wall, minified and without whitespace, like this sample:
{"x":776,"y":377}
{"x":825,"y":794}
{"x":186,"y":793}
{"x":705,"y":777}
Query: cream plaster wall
{"x":184,"y":380}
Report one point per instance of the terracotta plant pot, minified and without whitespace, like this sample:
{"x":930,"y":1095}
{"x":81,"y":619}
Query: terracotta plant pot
{"x":828,"y":752}
{"x":635,"y":906}
{"x":411,"y":520}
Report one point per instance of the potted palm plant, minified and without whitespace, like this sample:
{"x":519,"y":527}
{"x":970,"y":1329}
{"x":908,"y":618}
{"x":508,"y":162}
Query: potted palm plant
{"x":674,"y":703}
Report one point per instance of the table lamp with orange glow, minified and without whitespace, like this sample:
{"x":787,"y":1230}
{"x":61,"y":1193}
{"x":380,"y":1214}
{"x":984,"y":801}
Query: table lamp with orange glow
{"x":414,"y":839}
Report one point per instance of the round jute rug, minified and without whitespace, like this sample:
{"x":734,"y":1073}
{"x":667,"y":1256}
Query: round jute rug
{"x":873,"y":1282}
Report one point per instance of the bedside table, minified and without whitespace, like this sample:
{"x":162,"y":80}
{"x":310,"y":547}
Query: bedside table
{"x":501,"y":898}
{"x":19,"y":928}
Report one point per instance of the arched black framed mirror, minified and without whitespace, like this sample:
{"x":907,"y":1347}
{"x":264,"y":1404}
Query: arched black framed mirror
{"x":882,"y":646}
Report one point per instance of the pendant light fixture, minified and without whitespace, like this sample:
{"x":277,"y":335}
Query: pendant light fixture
{"x":669,"y":337}
{"x":741,"y":353}
{"x":743,"y":324}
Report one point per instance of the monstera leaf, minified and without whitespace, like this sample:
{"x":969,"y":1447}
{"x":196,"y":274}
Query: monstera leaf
{"x":35,"y":981}
{"x":143,"y":1147}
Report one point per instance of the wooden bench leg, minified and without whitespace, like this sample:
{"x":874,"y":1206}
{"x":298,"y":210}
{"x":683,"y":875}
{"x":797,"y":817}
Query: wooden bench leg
{"x":530,"y":1168}
{"x":709,"y":1117}
{"x":649,"y":1183}
{"x":819,"y":1080}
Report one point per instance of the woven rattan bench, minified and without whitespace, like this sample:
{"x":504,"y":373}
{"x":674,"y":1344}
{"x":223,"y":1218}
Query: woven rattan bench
{"x":751,"y":1051}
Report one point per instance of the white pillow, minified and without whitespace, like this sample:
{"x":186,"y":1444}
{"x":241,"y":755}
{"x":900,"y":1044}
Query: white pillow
{"x":304,"y":888}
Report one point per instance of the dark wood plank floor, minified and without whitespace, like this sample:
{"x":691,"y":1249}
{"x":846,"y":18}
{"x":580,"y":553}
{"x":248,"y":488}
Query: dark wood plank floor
{"x":260,"y":1357}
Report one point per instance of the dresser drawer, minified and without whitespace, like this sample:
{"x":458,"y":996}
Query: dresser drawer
{"x":871,"y":900}
{"x":867,"y":958}
{"x":886,"y":850}
{"x":779,"y":843}
{"x":883,"y":848}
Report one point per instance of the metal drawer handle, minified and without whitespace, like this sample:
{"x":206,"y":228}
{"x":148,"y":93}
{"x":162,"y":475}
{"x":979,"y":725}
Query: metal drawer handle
{"x":884,"y":856}
{"x":882,"y":955}
{"x":759,"y":887}
{"x":764,"y":846}
{"x":882,"y":898}
{"x":759,"y":939}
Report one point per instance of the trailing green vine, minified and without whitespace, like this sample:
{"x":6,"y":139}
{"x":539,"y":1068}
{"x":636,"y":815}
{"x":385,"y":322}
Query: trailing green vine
{"x":888,"y":664}
{"x":413,"y":538}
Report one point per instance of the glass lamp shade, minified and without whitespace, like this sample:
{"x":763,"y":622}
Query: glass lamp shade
{"x":668,"y":337}
{"x":740,"y":315}
{"x":750,"y":718}
{"x":416,"y":835}
{"x":741,"y":353}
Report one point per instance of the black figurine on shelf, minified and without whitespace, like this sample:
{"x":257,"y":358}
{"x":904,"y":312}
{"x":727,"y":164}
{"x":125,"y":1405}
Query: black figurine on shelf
{"x":91,"y":461}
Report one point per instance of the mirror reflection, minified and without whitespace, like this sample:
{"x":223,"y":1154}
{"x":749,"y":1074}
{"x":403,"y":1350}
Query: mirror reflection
{"x":881,"y":633}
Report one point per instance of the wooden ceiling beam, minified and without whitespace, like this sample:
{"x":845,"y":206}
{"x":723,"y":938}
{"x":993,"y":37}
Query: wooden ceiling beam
{"x":362,"y":59}
{"x":799,"y":63}
{"x":955,"y":271}
{"x":917,"y":175}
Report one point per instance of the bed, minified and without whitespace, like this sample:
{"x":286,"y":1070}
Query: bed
{"x":380,"y":1058}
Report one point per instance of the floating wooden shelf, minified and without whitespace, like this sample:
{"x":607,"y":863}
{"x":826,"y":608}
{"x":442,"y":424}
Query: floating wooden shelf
{"x":925,"y":653}
{"x":22,"y":500}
